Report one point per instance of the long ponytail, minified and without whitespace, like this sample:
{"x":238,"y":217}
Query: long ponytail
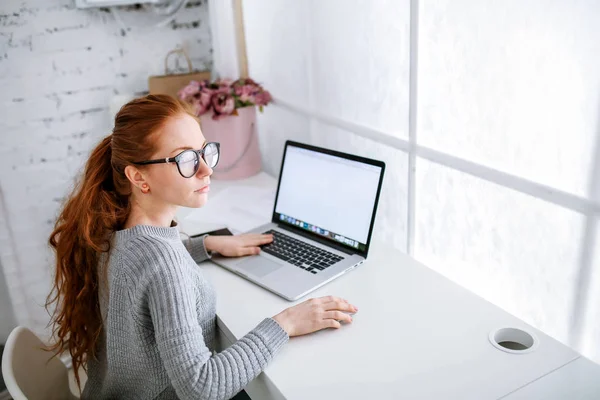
{"x":81,"y":234}
{"x":98,"y":206}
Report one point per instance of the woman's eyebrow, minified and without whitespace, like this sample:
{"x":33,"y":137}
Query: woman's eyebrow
{"x":187,"y":148}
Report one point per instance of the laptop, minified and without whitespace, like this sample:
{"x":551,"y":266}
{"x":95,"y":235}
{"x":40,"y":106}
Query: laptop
{"x":322,"y":221}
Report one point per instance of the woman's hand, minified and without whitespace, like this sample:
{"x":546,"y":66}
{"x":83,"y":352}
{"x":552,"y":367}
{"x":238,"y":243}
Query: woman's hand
{"x":314,"y":315}
{"x":238,"y":245}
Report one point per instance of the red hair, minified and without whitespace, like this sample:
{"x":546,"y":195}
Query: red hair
{"x":97,"y":207}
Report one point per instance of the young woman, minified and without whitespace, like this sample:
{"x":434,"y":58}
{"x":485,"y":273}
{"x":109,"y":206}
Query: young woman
{"x":131,"y":303}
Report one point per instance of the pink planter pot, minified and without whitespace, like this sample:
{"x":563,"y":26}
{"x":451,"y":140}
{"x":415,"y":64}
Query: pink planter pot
{"x":240,"y":154}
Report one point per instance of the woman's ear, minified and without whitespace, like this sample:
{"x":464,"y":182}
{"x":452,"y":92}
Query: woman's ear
{"x":136,"y":177}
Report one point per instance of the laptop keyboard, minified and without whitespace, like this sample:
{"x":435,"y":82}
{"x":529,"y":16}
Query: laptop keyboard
{"x":301,"y":254}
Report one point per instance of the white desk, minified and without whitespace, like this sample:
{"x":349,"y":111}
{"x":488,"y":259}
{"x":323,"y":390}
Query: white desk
{"x":578,"y":380}
{"x":417,"y":335}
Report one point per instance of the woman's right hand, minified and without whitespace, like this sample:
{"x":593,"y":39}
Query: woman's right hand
{"x":314,"y":315}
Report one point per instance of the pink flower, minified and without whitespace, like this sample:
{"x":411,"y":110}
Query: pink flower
{"x":188,"y":91}
{"x":222,"y":104}
{"x":224,"y":83}
{"x":205,"y":97}
{"x":263,"y":98}
{"x":246,"y":93}
{"x":223,"y":96}
{"x":197,"y":107}
{"x":201,"y":101}
{"x":223,"y":89}
{"x":244,"y":81}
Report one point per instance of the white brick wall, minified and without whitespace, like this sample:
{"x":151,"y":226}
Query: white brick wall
{"x":59,"y":69}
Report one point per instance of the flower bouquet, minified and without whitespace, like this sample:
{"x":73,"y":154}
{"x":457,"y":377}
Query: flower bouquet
{"x":227,"y":111}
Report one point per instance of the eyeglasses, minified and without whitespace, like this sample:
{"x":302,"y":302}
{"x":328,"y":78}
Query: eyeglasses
{"x":188,"y":161}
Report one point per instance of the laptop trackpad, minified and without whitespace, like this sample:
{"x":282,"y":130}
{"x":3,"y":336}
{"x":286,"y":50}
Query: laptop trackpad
{"x":258,"y":266}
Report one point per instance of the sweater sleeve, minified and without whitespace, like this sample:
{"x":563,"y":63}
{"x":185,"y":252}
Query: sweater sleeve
{"x":196,"y":373}
{"x":197,"y":248}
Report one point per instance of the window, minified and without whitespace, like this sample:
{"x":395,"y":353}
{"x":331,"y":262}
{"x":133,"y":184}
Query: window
{"x":488,"y":115}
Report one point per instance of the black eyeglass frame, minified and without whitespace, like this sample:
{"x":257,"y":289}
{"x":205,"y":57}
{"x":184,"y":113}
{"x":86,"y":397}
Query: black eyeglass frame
{"x":199,"y":154}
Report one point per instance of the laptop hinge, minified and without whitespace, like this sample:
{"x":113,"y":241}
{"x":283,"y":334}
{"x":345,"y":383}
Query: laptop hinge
{"x":325,"y":242}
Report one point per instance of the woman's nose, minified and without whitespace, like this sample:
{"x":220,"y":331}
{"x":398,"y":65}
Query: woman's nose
{"x":204,"y":169}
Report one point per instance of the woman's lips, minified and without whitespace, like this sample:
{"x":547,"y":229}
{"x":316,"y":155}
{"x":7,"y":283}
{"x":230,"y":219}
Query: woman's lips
{"x":203,"y":189}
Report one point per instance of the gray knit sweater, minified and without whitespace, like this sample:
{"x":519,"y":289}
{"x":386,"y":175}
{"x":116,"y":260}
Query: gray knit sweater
{"x":159,"y":314}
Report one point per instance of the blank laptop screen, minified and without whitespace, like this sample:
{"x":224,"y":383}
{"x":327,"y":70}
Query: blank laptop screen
{"x":328,"y":195}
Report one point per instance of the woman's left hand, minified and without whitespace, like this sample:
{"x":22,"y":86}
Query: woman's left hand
{"x":238,"y":245}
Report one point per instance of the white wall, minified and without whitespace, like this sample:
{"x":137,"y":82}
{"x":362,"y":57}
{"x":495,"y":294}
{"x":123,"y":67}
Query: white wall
{"x":7,"y":318}
{"x":513,"y":86}
{"x":278,"y":54}
{"x":334,"y":57}
{"x":59,"y":69}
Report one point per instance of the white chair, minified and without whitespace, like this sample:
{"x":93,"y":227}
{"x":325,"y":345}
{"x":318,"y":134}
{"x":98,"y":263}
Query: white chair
{"x":30,"y":372}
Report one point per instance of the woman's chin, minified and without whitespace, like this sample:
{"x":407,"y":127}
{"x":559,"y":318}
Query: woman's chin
{"x":199,"y":200}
